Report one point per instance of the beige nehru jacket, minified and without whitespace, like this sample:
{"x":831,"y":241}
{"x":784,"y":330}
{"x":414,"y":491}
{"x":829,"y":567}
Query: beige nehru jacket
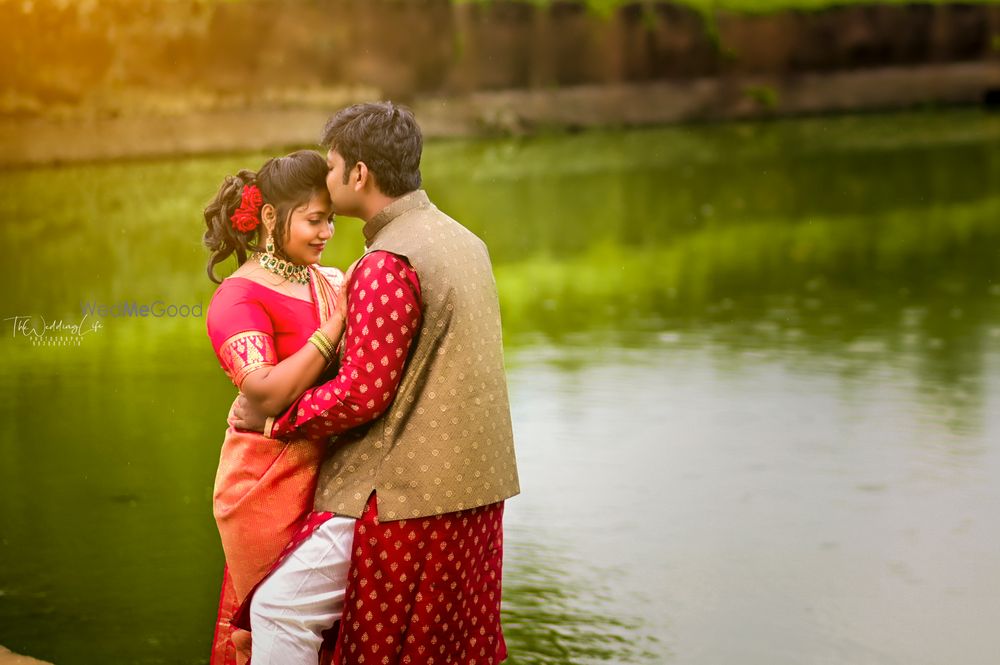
{"x":445,"y":444}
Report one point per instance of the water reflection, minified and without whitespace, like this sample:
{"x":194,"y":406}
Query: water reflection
{"x":760,"y":511}
{"x":755,"y":373}
{"x":557,"y":609}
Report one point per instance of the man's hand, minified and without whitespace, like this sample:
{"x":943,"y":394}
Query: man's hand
{"x":244,"y":416}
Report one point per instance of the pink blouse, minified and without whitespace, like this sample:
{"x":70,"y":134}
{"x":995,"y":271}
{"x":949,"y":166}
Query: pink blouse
{"x":252,"y":326}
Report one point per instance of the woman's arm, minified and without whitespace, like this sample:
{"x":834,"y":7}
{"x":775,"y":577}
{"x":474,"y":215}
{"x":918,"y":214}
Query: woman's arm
{"x":272,"y":389}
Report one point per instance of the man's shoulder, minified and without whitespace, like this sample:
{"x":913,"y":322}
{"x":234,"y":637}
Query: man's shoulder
{"x":383,"y":261}
{"x":425,"y":231}
{"x":433,"y":215}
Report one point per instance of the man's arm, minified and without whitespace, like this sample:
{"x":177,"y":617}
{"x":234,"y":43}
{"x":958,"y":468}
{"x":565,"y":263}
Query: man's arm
{"x":383,"y":318}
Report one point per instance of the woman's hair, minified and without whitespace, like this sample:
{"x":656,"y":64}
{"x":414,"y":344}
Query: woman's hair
{"x":284,"y":182}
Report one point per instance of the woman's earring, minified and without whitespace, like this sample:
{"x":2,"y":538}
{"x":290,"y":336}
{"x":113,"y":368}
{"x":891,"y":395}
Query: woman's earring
{"x":269,"y":245}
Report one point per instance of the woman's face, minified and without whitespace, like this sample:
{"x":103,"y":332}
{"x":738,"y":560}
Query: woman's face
{"x":309,"y":228}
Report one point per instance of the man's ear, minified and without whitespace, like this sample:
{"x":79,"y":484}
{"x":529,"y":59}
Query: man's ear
{"x":361,"y":176}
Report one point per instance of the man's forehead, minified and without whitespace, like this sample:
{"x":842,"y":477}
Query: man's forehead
{"x":333,"y":156}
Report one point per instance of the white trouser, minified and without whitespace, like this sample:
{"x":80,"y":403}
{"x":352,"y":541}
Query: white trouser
{"x":302,"y":597}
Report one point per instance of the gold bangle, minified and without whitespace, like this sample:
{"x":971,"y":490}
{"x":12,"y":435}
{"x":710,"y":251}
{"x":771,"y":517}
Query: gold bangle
{"x":322,"y":336}
{"x":323,"y":343}
{"x":322,"y":347}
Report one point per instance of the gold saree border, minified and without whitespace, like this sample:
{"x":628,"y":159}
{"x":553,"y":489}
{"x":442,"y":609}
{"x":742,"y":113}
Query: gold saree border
{"x":240,"y":364}
{"x":325,"y":291}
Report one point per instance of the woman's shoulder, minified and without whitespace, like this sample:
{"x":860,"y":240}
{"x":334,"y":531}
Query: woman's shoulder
{"x":237,"y":302}
{"x":233,"y":289}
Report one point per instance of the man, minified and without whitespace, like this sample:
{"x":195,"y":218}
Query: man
{"x":423,"y":456}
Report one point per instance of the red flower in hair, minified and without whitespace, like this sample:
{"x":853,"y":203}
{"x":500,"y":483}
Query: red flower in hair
{"x":247,"y":216}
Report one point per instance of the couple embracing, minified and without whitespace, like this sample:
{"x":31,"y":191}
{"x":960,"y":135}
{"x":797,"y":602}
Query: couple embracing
{"x":360,"y":489}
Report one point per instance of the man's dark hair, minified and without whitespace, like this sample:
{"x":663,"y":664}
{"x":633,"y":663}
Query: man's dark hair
{"x":385,"y":137}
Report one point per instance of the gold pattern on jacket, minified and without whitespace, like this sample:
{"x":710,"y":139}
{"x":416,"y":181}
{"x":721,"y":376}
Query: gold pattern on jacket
{"x":445,"y":443}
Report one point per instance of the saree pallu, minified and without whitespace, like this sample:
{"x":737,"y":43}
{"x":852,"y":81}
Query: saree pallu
{"x":263,"y":496}
{"x":262,"y":502}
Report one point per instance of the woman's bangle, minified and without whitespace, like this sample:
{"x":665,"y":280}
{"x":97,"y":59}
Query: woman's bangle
{"x":323,"y":343}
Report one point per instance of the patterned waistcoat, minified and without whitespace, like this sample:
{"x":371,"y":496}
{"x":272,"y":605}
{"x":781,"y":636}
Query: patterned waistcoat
{"x":445,"y":443}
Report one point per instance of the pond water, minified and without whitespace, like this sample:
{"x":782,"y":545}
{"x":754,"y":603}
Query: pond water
{"x":755,"y":380}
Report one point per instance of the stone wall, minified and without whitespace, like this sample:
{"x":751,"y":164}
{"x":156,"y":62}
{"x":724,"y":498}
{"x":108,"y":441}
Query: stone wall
{"x":84,"y":52}
{"x":106,"y":79}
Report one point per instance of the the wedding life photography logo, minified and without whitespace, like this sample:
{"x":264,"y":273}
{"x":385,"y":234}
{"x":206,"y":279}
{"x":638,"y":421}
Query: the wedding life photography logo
{"x":41,"y":330}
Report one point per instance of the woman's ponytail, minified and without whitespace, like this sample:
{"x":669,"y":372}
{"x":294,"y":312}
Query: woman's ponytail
{"x":221,"y":237}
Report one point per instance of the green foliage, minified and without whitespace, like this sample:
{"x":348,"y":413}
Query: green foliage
{"x":844,"y":241}
{"x":764,"y":95}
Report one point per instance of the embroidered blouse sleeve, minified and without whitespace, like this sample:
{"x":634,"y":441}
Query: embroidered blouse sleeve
{"x":241,"y":332}
{"x":383,"y":317}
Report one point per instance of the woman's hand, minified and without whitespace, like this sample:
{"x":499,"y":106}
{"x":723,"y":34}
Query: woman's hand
{"x":336,"y":324}
{"x":333,"y":327}
{"x":345,"y":288}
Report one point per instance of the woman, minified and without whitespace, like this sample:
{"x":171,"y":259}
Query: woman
{"x":274,"y":324}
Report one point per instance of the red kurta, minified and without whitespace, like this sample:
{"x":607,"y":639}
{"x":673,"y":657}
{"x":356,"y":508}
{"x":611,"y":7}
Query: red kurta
{"x":383,"y":317}
{"x":425,"y":591}
{"x":420,"y":591}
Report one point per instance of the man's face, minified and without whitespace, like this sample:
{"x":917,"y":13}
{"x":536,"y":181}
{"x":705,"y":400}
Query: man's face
{"x":343,"y":196}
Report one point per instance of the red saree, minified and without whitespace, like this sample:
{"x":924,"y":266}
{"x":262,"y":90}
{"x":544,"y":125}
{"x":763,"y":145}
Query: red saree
{"x":264,"y":487}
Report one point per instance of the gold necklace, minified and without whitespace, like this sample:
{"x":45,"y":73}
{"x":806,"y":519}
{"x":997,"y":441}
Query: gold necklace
{"x":281,"y":285}
{"x":293,"y":273}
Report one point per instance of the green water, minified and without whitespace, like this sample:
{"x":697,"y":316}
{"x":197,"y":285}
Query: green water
{"x":754,"y":369}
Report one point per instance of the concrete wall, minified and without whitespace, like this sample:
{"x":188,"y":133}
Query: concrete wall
{"x":70,"y":53}
{"x":112,"y":79}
